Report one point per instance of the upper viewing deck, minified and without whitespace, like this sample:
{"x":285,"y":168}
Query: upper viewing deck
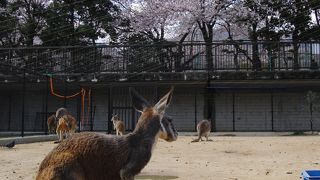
{"x":166,"y":61}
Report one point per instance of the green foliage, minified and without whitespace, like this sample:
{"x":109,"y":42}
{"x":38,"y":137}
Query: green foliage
{"x":7,"y":28}
{"x":71,"y":22}
{"x":30,"y":15}
{"x":296,"y":16}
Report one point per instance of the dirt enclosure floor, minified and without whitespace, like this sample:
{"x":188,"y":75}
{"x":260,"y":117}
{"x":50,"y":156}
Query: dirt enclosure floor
{"x":226,"y":157}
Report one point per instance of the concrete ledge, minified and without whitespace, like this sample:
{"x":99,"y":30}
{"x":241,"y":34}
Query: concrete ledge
{"x":53,"y":137}
{"x":29,"y":139}
{"x":307,"y":133}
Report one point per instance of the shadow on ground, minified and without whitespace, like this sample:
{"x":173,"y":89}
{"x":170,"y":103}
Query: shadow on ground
{"x":155,"y":177}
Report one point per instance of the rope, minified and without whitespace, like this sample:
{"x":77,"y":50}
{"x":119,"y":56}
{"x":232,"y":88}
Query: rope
{"x":60,"y":96}
{"x":83,"y":95}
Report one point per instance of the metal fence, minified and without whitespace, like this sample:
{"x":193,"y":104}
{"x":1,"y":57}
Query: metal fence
{"x":226,"y":56}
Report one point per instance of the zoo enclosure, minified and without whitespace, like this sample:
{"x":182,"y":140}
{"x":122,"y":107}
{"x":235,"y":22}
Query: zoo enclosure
{"x":24,"y":71}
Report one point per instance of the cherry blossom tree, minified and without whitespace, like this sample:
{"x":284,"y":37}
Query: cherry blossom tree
{"x":156,"y":19}
{"x":205,"y":14}
{"x":159,"y":21}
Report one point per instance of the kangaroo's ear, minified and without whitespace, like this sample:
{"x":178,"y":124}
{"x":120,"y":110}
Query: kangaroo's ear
{"x":164,"y":101}
{"x":138,"y":102}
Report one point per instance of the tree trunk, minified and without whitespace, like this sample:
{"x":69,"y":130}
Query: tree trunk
{"x":179,"y":55}
{"x":271,"y":59}
{"x":295,"y":50}
{"x":209,"y":57}
{"x":235,"y":60}
{"x":256,"y":66}
{"x":256,"y":63}
{"x":207,"y":33}
{"x":317,"y":14}
{"x":295,"y":56}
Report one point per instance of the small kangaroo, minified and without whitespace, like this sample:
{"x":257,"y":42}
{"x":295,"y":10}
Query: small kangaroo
{"x":98,"y":156}
{"x":52,"y":123}
{"x":61,"y":112}
{"x":118,"y":125}
{"x":67,"y":126}
{"x":72,"y":123}
{"x":62,"y":128}
{"x":203,"y":129}
{"x":52,"y":120}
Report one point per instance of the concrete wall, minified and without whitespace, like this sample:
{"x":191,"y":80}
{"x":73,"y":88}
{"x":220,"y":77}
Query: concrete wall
{"x":100,"y":101}
{"x":11,"y":109}
{"x":223,"y":111}
{"x":182,"y":108}
{"x":253,"y":111}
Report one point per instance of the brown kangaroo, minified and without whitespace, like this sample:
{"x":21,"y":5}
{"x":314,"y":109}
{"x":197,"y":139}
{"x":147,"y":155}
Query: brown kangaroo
{"x":67,"y":126}
{"x":203,"y":129}
{"x":61,"y":112}
{"x":98,"y":156}
{"x":54,"y":118}
{"x":62,"y":128}
{"x":52,"y":123}
{"x":72,"y":123}
{"x":118,"y":125}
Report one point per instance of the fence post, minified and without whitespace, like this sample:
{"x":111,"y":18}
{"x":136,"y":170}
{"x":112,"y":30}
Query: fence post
{"x":195,"y":109}
{"x":23,"y":102}
{"x":10,"y":111}
{"x":65,"y":94}
{"x":91,"y":112}
{"x":233,"y":112}
{"x":110,"y":103}
{"x":272,"y":111}
{"x":46,"y":106}
{"x":79,"y":112}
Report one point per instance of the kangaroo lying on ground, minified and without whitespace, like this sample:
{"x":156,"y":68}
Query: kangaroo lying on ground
{"x":118,"y":125}
{"x":98,"y":156}
{"x":203,"y":129}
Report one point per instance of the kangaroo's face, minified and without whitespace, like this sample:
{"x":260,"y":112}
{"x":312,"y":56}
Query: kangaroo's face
{"x":155,"y":113}
{"x":115,"y":119}
{"x":168,"y":131}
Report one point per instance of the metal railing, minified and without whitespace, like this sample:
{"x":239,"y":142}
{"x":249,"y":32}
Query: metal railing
{"x":218,"y":56}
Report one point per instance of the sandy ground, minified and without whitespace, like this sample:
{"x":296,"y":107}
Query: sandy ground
{"x":282,"y":157}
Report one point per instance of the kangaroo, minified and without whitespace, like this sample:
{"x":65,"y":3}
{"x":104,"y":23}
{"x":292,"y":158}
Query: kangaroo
{"x":118,"y":125}
{"x":52,"y":123}
{"x":61,"y":112}
{"x":62,"y":128}
{"x":72,"y":123}
{"x":53,"y":119}
{"x":203,"y":129}
{"x":67,"y":126}
{"x":98,"y":156}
